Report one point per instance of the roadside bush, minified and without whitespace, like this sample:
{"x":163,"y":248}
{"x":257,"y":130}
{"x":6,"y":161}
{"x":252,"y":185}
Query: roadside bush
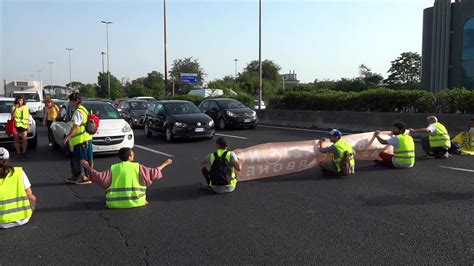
{"x":378,"y":100}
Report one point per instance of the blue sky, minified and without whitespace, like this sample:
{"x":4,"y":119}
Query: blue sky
{"x":318,"y":39}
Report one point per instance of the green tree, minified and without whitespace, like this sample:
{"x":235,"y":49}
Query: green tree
{"x":405,"y":71}
{"x":88,"y":90}
{"x":155,"y":84}
{"x":185,"y":65}
{"x":75,"y":85}
{"x":249,"y":79}
{"x":137,"y":89}
{"x":116,"y":89}
{"x":371,"y":79}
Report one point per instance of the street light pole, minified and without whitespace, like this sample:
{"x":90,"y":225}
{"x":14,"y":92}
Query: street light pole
{"x":260,"y":87}
{"x":164,"y":45}
{"x":108,"y":53}
{"x":103,"y":53}
{"x":70,"y":72}
{"x":235,"y":67}
{"x":50,"y":76}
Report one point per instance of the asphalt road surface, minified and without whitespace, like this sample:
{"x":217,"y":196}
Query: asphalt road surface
{"x":423,"y":215}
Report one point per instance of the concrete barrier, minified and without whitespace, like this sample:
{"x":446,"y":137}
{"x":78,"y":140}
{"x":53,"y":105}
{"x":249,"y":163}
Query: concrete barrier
{"x":357,"y":121}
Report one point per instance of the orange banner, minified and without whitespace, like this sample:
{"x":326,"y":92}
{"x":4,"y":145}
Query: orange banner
{"x":281,"y":158}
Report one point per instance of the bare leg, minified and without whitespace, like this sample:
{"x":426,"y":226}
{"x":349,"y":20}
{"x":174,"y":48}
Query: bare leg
{"x":16,"y":143}
{"x":24,"y":139}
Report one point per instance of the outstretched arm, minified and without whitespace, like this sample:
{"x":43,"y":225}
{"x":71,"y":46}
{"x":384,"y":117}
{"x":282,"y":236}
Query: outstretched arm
{"x":377,"y":135}
{"x":166,"y":163}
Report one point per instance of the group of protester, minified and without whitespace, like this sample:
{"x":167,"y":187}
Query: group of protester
{"x":126,"y":182}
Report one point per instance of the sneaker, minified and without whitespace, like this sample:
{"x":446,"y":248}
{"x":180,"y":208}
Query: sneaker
{"x":83,"y":181}
{"x":72,"y":180}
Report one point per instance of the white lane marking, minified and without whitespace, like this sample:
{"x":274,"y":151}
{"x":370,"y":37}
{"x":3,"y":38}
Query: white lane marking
{"x":458,"y":169}
{"x":154,"y":151}
{"x":230,"y":136}
{"x":310,"y":130}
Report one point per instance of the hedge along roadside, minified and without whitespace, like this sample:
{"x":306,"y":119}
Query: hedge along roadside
{"x":245,"y":99}
{"x":378,"y":100}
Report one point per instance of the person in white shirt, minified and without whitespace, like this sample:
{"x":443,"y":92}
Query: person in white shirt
{"x":437,"y":142}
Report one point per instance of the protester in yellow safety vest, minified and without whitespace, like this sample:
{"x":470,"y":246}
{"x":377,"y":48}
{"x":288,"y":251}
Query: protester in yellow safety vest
{"x":438,"y":142}
{"x":463,"y":143}
{"x":126,"y":182}
{"x":404,"y":148}
{"x":79,"y":141}
{"x":21,"y":114}
{"x":17,"y":200}
{"x":219,"y":168}
{"x":51,"y":113}
{"x":342,"y":162}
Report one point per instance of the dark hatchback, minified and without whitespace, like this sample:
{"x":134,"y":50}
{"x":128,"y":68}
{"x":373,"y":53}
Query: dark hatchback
{"x":133,"y":111}
{"x":177,"y":119}
{"x":229,"y":113}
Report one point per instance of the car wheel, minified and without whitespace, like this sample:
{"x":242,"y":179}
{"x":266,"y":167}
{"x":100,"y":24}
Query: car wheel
{"x":221,"y":124}
{"x":33,"y":142}
{"x":168,"y":134}
{"x":146,"y":128}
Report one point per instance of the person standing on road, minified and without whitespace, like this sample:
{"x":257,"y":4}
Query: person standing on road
{"x":21,"y":114}
{"x":404,"y":148}
{"x":51,"y":113}
{"x":126,"y":182}
{"x":79,"y":141}
{"x":342,"y":163}
{"x":222,"y":164}
{"x":438,"y":142}
{"x":17,"y":200}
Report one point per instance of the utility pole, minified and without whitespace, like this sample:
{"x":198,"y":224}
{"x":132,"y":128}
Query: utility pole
{"x":164,"y":40}
{"x":70,"y":75}
{"x":260,"y":86}
{"x":108,"y":53}
{"x":103,"y":53}
{"x":235,"y":67}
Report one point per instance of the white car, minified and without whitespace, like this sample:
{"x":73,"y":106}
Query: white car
{"x":6,"y":105}
{"x":145,"y":98}
{"x":114,"y":133}
{"x":261,"y":103}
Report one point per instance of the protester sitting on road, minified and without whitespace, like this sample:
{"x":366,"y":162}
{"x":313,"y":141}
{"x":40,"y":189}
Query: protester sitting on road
{"x":463,"y":143}
{"x":79,"y":141}
{"x":437,"y":143}
{"x":17,"y":200}
{"x":21,"y":114}
{"x":404,"y":148}
{"x":52,"y":111}
{"x":342,"y":163}
{"x":219,"y":168}
{"x":126,"y":182}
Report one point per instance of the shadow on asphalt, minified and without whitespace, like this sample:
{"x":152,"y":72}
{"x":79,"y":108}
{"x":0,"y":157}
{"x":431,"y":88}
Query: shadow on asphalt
{"x":181,"y":193}
{"x":91,"y":206}
{"x":416,"y":199}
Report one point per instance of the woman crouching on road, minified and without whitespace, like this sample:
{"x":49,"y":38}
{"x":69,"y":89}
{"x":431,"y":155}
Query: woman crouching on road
{"x":21,"y":114}
{"x":17,"y":201}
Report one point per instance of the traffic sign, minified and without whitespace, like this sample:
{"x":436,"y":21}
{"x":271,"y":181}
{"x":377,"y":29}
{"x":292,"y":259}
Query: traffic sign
{"x":189,"y":78}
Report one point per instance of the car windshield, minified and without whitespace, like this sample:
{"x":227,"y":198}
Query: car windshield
{"x":231,"y":104}
{"x":182,"y":108}
{"x":30,"y":97}
{"x":138,"y":105}
{"x":6,"y":106}
{"x":103,"y":110}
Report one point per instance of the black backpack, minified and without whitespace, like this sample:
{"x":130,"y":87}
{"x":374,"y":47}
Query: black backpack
{"x":221,"y":170}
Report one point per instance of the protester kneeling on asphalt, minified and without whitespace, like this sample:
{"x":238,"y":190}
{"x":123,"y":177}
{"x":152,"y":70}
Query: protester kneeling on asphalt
{"x":463,"y":142}
{"x":343,"y":162}
{"x":403,"y":148}
{"x":222,"y":164}
{"x":126,"y":182}
{"x":17,"y":200}
{"x":438,"y":142}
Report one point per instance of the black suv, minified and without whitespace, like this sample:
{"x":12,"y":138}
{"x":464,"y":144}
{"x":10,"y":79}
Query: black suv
{"x":177,"y":119}
{"x":229,"y":113}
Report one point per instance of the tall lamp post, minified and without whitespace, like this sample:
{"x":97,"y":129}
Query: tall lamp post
{"x":260,"y":86}
{"x":70,"y":72}
{"x":235,"y":60}
{"x":108,"y":65}
{"x":50,"y":76}
{"x":164,"y":44}
{"x":103,"y":53}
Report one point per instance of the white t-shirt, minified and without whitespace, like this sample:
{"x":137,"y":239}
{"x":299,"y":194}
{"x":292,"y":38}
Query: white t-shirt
{"x":431,"y":128}
{"x":27,"y":184}
{"x":77,"y":118}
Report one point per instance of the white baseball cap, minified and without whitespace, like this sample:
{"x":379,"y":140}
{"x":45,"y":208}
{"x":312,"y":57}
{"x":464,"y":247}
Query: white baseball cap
{"x":4,"y":154}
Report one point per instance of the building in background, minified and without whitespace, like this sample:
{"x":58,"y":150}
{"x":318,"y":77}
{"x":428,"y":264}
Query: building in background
{"x":290,"y":80}
{"x":448,"y":45}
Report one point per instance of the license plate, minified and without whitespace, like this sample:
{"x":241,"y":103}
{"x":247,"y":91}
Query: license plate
{"x":247,"y":120}
{"x":199,"y":129}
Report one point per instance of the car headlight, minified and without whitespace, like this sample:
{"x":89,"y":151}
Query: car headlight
{"x":254,"y":113}
{"x":211,"y":123}
{"x":179,"y":124}
{"x":126,"y":128}
{"x":229,"y":113}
